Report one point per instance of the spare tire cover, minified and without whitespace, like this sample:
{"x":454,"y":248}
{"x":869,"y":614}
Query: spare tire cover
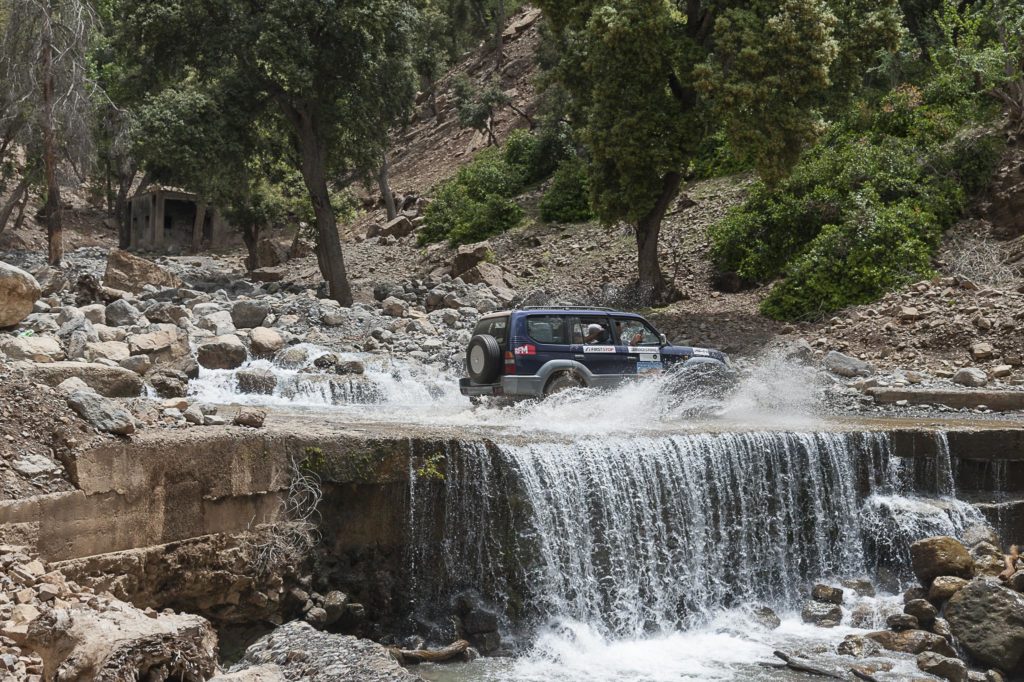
{"x":483,"y":359}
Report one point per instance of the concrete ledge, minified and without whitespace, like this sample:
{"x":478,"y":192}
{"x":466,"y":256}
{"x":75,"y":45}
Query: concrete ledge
{"x":1000,"y":401}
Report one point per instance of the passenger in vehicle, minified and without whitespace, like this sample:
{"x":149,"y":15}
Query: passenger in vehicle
{"x":596,"y":334}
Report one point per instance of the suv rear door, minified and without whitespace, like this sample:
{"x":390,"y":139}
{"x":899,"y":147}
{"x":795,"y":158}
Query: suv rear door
{"x":546,"y":339}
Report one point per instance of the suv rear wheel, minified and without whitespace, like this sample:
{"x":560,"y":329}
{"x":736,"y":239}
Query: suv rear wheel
{"x":483,"y":359}
{"x":563,"y":382}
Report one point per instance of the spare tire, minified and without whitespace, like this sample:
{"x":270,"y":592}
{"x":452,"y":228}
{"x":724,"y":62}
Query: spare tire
{"x":483,"y":359}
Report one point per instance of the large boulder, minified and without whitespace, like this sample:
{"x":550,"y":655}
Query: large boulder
{"x":128,"y":272}
{"x":822,"y":614}
{"x":18,"y":292}
{"x":249,"y":314}
{"x":939,"y":556}
{"x":912,"y":642}
{"x":952,"y":669}
{"x":845,"y":366}
{"x":221,"y":352}
{"x":219,"y":323}
{"x":34,"y":348}
{"x":121,"y":313}
{"x":102,"y":413}
{"x":970,"y":376}
{"x":166,"y":343}
{"x":259,"y":381}
{"x":324,"y":657}
{"x":988,"y":621}
{"x":487,"y":273}
{"x":264,"y":342}
{"x":398,"y":228}
{"x":469,"y":255}
{"x":112,"y":382}
{"x":115,"y":351}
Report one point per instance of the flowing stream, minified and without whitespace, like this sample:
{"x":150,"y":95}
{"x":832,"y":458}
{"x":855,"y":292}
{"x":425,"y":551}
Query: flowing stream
{"x":629,"y":535}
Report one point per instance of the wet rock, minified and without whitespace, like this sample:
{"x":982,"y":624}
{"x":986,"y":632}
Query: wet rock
{"x":862,"y":587}
{"x":988,"y":560}
{"x":18,"y":292}
{"x":111,"y":382}
{"x":101,"y":413}
{"x":858,"y":646}
{"x":292,"y":358}
{"x":979,"y":533}
{"x":221,"y":352}
{"x":121,"y":313}
{"x":258,"y":381}
{"x":34,"y":348}
{"x":912,"y":642}
{"x":265,"y":342}
{"x":251,"y":418}
{"x":902,"y":621}
{"x":952,"y":669}
{"x":987,"y":620}
{"x":923,"y":611}
{"x":249,"y":314}
{"x":970,"y":376}
{"x":822,"y":614}
{"x":845,"y":366}
{"x":765,"y":617}
{"x":863,"y":616}
{"x":479,"y":621}
{"x":827,"y":594}
{"x":349,"y":367}
{"x":334,"y":606}
{"x":128,"y":272}
{"x":940,"y":556}
{"x":944,"y":587}
{"x":940,"y":626}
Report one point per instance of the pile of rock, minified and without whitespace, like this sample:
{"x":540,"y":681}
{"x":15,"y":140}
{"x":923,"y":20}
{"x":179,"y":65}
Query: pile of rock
{"x":52,"y":628}
{"x":969,"y":599}
{"x":940,"y":327}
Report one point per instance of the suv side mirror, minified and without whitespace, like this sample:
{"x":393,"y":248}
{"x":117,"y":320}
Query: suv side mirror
{"x":664,"y":339}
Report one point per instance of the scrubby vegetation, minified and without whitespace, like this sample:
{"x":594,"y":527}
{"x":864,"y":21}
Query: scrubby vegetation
{"x":864,"y":210}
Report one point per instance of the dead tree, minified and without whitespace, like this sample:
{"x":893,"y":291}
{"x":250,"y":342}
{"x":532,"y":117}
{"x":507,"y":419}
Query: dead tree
{"x":43,"y":74}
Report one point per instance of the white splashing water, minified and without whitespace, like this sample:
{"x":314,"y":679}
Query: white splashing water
{"x":628,"y":555}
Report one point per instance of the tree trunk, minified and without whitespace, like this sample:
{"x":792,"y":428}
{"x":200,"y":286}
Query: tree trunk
{"x":652,"y":285}
{"x":385,"y":189}
{"x":197,"y":227}
{"x":251,"y":237}
{"x":314,"y":173}
{"x":499,"y":30}
{"x":52,"y":208}
{"x":15,"y":198}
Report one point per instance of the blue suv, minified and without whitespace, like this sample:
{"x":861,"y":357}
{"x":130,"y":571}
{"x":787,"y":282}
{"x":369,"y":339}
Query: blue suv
{"x":534,"y":352}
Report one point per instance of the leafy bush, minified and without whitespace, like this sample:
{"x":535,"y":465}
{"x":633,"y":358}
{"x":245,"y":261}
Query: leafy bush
{"x":567,"y":200}
{"x":863,"y":211}
{"x":475,"y":203}
{"x":535,"y":156}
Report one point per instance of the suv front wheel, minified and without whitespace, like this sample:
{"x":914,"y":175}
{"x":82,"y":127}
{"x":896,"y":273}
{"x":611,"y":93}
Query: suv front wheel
{"x":483,"y":359}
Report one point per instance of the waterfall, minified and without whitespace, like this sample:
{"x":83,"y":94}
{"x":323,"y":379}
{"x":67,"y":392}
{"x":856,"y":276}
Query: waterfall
{"x":640,"y":535}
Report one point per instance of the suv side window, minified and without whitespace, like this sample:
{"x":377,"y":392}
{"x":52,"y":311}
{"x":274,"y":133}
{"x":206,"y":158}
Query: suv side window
{"x":579,"y":327}
{"x":546,"y":329}
{"x":495,"y":326}
{"x":634,"y":332}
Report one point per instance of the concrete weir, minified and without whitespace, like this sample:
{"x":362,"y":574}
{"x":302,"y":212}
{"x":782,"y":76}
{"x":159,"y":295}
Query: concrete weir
{"x":163,"y":488}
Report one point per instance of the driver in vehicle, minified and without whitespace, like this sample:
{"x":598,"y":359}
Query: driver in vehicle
{"x":596,"y":335}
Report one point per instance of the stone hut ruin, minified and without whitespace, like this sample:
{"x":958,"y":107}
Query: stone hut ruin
{"x":175,"y":221}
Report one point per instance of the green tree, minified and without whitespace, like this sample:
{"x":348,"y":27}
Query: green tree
{"x":647,"y":78}
{"x":335,"y":74}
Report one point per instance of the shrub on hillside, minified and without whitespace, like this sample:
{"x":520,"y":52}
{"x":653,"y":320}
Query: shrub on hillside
{"x":535,"y":156}
{"x":567,"y":200}
{"x":897,"y":177}
{"x":475,"y":203}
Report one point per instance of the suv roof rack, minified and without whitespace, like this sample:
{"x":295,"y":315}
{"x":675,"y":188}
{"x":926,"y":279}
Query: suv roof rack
{"x":566,"y":307}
